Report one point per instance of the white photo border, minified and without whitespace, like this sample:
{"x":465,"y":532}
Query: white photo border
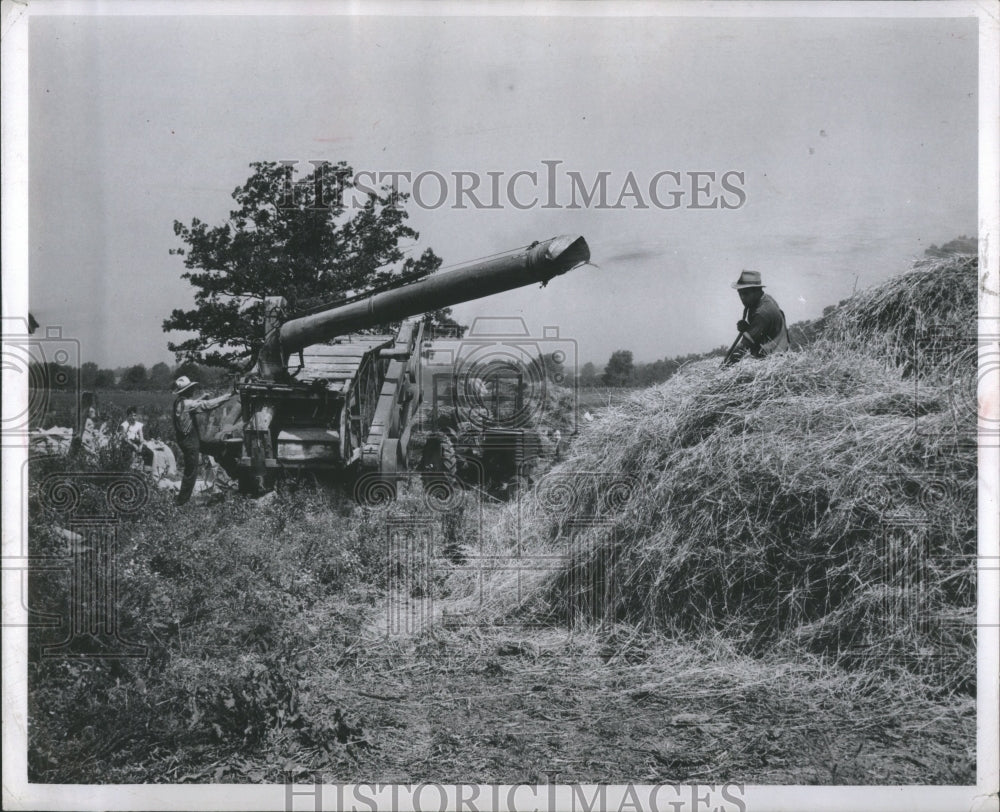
{"x":19,"y":794}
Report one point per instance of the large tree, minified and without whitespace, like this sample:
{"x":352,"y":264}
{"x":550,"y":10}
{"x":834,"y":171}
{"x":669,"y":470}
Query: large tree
{"x":312,"y":240}
{"x":160,"y":377}
{"x":620,"y":369}
{"x":588,"y":375}
{"x":134,"y":377}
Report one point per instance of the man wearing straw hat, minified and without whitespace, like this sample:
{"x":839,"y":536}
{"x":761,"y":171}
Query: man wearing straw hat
{"x":762,"y":328}
{"x":186,"y":429}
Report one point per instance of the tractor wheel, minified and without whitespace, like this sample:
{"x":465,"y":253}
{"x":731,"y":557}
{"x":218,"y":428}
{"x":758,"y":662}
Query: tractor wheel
{"x":439,"y":458}
{"x":449,"y":459}
{"x":439,"y":467}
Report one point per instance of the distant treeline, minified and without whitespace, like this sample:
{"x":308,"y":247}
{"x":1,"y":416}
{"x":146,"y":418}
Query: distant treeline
{"x":137,"y":377}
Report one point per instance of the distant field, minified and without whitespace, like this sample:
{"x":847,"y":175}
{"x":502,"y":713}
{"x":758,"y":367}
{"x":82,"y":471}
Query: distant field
{"x":601,"y":397}
{"x":153,"y":406}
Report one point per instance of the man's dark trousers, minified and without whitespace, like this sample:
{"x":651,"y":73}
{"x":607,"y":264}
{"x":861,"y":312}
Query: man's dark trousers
{"x":192,"y":458}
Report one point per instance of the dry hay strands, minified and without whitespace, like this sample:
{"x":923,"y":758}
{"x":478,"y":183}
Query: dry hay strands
{"x":921,"y":319}
{"x":791,"y":501}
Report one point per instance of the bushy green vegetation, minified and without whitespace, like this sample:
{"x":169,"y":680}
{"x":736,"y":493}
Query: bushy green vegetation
{"x":234,"y":604}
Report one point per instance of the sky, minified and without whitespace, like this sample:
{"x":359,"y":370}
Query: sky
{"x":856,"y":140}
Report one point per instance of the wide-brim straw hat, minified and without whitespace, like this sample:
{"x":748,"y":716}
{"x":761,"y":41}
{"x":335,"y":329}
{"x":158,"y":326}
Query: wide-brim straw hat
{"x":182,"y":384}
{"x":748,"y":279}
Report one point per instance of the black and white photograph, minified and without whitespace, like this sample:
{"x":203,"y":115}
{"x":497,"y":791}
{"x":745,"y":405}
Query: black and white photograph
{"x":493,"y":406}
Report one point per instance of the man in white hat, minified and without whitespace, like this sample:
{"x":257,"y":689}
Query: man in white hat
{"x":186,"y":429}
{"x":762,"y":328}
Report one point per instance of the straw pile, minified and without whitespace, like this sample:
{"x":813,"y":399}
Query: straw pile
{"x":809,"y":500}
{"x":919,"y":320}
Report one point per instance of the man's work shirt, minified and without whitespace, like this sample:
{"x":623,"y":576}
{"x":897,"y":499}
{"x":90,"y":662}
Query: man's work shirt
{"x":185,"y":426}
{"x":767,"y":326}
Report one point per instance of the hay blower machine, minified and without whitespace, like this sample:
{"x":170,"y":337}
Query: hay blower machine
{"x":327,"y":399}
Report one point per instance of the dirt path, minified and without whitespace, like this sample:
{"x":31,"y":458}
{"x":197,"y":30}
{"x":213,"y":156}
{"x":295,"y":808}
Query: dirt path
{"x":516,"y":705}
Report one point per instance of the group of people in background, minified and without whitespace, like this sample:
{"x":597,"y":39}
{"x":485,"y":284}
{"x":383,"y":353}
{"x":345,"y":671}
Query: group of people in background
{"x":127,"y":440}
{"x":128,"y":435}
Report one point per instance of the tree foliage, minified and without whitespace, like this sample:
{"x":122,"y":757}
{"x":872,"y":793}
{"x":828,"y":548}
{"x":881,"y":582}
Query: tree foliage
{"x":134,"y":378}
{"x":619,"y":370}
{"x":300,"y":239}
{"x":206,"y":376}
{"x":160,"y":376}
{"x":588,"y":375}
